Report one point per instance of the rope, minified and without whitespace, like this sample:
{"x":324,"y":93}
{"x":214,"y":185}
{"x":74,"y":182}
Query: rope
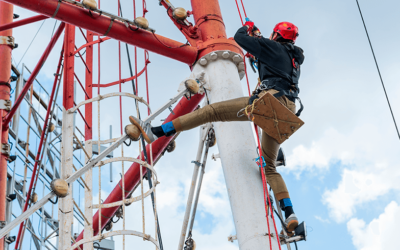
{"x":146,"y":54}
{"x":377,"y":67}
{"x":240,"y":15}
{"x":244,"y":10}
{"x":264,"y":181}
{"x":121,"y":130}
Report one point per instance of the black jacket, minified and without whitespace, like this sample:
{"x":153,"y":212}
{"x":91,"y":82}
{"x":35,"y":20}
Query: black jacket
{"x":269,"y":54}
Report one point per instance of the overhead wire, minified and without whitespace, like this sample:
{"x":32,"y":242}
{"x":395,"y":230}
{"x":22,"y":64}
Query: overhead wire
{"x":33,"y":39}
{"x":377,"y":67}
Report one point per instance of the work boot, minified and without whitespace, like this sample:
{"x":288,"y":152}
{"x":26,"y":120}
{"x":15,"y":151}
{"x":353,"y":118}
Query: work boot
{"x":147,"y":128}
{"x":291,"y":223}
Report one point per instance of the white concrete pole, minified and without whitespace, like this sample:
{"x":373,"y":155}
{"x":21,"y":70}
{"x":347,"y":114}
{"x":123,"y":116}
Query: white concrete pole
{"x":65,"y":205}
{"x":237,"y":149}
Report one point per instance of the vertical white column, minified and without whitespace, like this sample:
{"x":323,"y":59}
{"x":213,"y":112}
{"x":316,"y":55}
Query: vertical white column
{"x":88,"y":233}
{"x":65,"y":205}
{"x":237,"y":149}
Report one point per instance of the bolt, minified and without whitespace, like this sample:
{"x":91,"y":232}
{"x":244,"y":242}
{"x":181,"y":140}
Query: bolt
{"x":213,"y":56}
{"x":203,"y":61}
{"x":237,"y":58}
{"x":226,"y":54}
{"x":241,"y":66}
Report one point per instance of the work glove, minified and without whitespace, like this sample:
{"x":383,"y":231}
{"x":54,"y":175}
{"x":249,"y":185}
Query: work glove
{"x":256,"y":31}
{"x":252,"y":99}
{"x":250,"y":25}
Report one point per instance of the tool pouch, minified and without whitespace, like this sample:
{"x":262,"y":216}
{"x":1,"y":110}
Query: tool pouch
{"x":273,"y":117}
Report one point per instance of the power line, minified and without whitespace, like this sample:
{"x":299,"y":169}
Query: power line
{"x":379,"y":72}
{"x":30,"y":43}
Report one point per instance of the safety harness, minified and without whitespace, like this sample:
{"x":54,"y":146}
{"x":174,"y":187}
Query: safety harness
{"x":286,"y":84}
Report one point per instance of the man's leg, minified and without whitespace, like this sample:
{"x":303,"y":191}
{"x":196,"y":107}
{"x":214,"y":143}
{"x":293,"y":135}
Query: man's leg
{"x":270,"y":148}
{"x":226,"y":111}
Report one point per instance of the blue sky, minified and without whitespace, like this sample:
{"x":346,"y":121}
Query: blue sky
{"x":342,"y":170}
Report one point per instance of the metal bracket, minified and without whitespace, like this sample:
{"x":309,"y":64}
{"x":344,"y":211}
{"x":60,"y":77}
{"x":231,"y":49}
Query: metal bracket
{"x":2,"y":224}
{"x":170,"y":109}
{"x":7,"y":40}
{"x":231,"y":238}
{"x":5,"y":104}
{"x":5,"y":149}
{"x":215,"y":157}
{"x":197,"y":163}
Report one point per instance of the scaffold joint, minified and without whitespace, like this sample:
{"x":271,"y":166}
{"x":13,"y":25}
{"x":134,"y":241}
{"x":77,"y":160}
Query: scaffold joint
{"x":2,"y":224}
{"x":5,"y":104}
{"x":5,"y":149}
{"x":8,"y":40}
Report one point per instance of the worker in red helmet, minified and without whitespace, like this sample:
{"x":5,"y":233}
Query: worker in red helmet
{"x":278,"y":62}
{"x":279,"y":71}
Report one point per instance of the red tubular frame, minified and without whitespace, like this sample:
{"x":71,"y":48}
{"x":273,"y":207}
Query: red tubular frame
{"x":132,"y":176}
{"x":123,"y":80}
{"x":8,"y":117}
{"x":89,"y":86}
{"x":6,"y":16}
{"x":22,"y":22}
{"x":100,"y":24}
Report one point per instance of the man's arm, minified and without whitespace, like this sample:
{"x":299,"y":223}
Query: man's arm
{"x":250,"y":44}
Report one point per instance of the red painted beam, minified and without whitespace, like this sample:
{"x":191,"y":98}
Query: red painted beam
{"x":6,"y":16}
{"x":22,"y":22}
{"x":80,"y":17}
{"x":132,"y":176}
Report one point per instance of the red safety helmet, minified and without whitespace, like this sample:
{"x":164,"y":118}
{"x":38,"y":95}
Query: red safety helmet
{"x":287,"y":30}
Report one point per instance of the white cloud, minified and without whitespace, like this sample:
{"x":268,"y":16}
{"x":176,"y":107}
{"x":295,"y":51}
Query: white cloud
{"x":356,"y":188}
{"x":322,"y":219}
{"x":380,"y":233}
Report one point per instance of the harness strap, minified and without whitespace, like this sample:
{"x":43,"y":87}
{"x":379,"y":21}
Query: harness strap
{"x":301,"y":107}
{"x":58,"y":7}
{"x":109,"y":27}
{"x":281,"y":93}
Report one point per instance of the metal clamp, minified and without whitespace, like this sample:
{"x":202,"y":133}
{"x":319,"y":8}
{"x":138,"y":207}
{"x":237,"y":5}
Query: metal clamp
{"x":2,"y":224}
{"x":5,"y":104}
{"x":5,"y":149}
{"x":231,"y":238}
{"x":197,"y":163}
{"x":8,"y":40}
{"x":215,"y":157}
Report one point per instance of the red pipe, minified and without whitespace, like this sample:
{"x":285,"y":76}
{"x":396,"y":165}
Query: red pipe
{"x":208,"y":17}
{"x":22,"y":22}
{"x":6,"y":17}
{"x":89,"y":85}
{"x":100,"y":24}
{"x":91,"y":43}
{"x":123,"y":80}
{"x":39,"y":154}
{"x":69,"y":67}
{"x":79,"y":81}
{"x":132,"y":176}
{"x":8,"y":117}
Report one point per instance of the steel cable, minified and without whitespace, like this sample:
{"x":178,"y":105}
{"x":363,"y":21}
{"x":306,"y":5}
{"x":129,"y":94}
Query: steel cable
{"x":377,"y":67}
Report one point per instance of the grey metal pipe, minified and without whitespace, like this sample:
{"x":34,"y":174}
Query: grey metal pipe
{"x":191,"y":191}
{"x":196,"y":200}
